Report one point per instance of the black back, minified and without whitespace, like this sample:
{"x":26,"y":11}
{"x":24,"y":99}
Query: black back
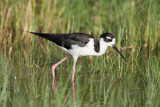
{"x":66,"y":40}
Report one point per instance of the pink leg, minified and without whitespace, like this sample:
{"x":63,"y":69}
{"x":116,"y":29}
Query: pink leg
{"x":53,"y":85}
{"x":73,"y":73}
{"x":73,"y":92}
{"x":53,"y":73}
{"x":74,"y":66}
{"x":55,"y":65}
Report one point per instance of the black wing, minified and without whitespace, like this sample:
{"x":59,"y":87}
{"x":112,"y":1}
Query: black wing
{"x":66,"y":40}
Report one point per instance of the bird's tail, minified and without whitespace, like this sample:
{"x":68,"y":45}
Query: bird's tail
{"x":48,"y":36}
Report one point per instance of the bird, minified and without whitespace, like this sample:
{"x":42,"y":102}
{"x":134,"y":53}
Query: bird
{"x":79,"y":44}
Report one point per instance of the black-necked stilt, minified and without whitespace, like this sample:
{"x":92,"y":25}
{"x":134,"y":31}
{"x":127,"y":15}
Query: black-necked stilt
{"x":80,"y":44}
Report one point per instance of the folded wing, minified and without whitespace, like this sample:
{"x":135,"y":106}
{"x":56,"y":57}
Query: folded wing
{"x":66,"y":40}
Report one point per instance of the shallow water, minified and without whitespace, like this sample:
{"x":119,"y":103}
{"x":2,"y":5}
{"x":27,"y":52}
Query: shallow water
{"x":34,"y":87}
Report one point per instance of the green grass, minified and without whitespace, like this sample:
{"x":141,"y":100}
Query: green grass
{"x":26,"y":60}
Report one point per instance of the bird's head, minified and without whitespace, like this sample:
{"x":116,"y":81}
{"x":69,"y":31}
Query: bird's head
{"x":109,"y":39}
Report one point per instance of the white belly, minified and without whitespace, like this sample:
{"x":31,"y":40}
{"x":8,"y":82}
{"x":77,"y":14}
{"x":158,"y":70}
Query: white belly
{"x":82,"y":51}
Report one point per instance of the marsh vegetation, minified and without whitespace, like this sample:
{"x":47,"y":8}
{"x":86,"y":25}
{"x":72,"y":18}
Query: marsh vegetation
{"x":26,"y":60}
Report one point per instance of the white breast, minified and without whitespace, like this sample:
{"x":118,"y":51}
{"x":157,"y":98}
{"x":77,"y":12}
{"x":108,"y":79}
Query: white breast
{"x":82,"y":51}
{"x":87,"y":50}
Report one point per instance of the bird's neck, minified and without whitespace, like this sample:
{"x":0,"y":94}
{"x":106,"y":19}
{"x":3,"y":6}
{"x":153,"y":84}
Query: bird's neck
{"x":103,"y":46}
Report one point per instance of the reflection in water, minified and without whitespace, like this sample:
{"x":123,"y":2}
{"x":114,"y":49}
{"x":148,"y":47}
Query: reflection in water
{"x":53,"y":85}
{"x":73,"y":91}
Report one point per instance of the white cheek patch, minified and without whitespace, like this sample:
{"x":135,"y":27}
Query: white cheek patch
{"x":108,"y":37}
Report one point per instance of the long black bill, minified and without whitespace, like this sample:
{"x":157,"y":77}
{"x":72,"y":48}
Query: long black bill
{"x":118,"y":52}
